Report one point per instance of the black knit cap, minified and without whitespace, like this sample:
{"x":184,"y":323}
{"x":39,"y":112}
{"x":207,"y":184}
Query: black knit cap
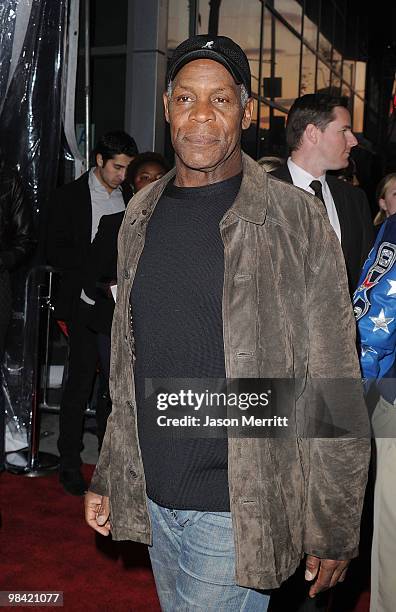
{"x":218,"y":48}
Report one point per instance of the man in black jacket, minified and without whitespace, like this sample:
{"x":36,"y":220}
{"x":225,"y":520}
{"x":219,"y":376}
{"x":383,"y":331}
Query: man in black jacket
{"x":100,"y":279}
{"x":320,"y":138}
{"x":15,"y":244}
{"x":76,"y":212}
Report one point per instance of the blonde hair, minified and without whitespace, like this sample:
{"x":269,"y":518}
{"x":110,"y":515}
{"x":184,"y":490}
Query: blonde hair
{"x":380,"y":194}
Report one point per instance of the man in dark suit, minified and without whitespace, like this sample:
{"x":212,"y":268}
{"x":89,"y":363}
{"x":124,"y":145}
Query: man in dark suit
{"x":74,"y":218}
{"x":100,"y":285}
{"x":100,"y":278}
{"x":320,"y":138}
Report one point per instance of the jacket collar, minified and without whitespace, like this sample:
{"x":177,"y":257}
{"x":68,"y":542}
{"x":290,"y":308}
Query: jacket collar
{"x":250,"y":203}
{"x":283,"y":173}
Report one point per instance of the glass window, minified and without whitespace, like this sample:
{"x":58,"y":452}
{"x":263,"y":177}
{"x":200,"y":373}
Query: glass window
{"x":326,"y":23}
{"x":348,"y":71}
{"x":324,"y":48}
{"x":108,"y":92}
{"x":109,"y":28}
{"x":287,"y":65}
{"x":358,"y":114}
{"x":339,"y":31}
{"x":264,"y":116}
{"x":203,"y":16}
{"x":178,"y":23}
{"x":323,"y":77}
{"x":346,"y":92}
{"x":360,"y":78}
{"x":335,"y":84}
{"x":291,"y":11}
{"x":336,"y":62}
{"x":307,"y":72}
{"x":267,"y":46}
{"x":311,"y":20}
{"x":240,"y":20}
{"x":310,"y":32}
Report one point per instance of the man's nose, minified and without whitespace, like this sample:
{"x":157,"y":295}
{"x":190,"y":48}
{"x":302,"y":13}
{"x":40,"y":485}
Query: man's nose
{"x":352,"y":140}
{"x":202,"y":111}
{"x":122,"y":174}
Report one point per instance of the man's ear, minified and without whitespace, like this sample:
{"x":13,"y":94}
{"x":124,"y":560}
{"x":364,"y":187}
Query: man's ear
{"x":248,"y":114}
{"x":311,"y":133}
{"x":99,"y":160}
{"x":165,"y":100}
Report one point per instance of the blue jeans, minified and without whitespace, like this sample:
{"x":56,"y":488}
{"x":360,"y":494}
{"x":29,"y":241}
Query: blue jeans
{"x":193,"y":561}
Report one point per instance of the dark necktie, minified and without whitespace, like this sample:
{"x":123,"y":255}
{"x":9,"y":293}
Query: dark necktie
{"x":317,"y":188}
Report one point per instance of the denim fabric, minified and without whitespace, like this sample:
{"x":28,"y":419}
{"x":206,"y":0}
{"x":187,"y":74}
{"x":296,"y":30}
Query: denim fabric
{"x":193,"y":560}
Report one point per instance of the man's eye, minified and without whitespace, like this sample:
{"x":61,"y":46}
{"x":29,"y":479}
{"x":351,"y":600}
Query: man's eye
{"x":221,"y":100}
{"x":183,"y":98}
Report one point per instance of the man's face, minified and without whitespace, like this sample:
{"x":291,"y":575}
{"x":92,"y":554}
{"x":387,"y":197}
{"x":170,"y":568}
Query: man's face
{"x":336,"y":141}
{"x":206,"y":119}
{"x":111,"y":173}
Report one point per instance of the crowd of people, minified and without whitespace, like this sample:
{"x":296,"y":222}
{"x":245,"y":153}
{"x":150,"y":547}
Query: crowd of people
{"x":227,"y":269}
{"x":83,"y":225}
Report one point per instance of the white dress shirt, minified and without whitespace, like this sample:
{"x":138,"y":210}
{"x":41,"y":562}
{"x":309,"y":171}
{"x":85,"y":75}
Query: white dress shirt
{"x":103,"y":203}
{"x":302,"y":178}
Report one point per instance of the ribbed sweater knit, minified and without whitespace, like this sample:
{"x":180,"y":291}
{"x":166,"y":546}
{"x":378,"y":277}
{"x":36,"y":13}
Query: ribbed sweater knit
{"x":176,"y":302}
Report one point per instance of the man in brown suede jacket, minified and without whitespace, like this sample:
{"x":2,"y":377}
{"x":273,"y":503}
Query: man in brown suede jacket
{"x":228,"y":272}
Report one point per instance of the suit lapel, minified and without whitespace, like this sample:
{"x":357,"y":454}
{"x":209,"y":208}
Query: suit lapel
{"x":341,"y":205}
{"x":85,"y":210}
{"x":338,"y":194}
{"x":127,"y":193}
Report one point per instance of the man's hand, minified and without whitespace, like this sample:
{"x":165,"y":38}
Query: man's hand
{"x":326,"y":571}
{"x":97,"y":512}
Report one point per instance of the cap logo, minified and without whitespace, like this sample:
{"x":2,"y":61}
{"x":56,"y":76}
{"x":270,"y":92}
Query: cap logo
{"x":208,"y":45}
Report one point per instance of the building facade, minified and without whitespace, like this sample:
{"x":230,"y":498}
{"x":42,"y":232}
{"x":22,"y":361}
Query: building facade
{"x":293,"y":46}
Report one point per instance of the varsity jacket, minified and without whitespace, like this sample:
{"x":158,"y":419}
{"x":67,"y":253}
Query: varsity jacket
{"x":375,"y":310}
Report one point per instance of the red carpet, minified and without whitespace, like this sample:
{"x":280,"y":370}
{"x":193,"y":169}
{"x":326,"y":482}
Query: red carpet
{"x":46,"y":546}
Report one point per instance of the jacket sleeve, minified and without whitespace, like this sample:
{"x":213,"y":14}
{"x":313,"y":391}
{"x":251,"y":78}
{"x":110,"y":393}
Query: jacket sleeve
{"x":20,"y":227}
{"x":375,"y":305}
{"x":338,"y":465}
{"x":102,"y":257}
{"x":62,"y":250}
{"x":100,"y":477}
{"x":119,"y":378}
